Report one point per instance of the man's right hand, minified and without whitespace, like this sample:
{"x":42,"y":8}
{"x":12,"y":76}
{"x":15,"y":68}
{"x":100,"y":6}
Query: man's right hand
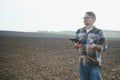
{"x":77,"y":45}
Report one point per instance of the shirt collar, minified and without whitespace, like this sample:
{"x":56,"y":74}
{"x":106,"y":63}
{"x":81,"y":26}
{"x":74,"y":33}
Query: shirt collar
{"x":90,"y":28}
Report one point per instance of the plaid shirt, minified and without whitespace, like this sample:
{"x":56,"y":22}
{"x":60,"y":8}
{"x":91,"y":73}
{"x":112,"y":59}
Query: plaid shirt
{"x":91,"y":38}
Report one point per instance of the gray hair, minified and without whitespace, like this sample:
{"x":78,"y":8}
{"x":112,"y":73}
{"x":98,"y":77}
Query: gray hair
{"x":91,"y":14}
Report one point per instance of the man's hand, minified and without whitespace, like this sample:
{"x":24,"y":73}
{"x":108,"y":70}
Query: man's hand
{"x":94,"y":46}
{"x":77,"y":45}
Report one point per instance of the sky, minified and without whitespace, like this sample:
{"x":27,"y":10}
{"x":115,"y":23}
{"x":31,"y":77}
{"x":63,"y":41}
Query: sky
{"x":57,"y":15}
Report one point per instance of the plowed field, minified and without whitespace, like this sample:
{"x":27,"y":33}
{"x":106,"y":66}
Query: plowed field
{"x":30,"y":58}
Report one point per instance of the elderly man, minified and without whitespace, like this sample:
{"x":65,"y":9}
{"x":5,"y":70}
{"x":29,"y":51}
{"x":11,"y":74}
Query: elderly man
{"x":92,"y":43}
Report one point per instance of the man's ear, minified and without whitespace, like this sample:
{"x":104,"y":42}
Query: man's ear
{"x":94,"y":19}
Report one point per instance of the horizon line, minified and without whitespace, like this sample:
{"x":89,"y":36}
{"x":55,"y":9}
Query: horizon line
{"x":50,"y":30}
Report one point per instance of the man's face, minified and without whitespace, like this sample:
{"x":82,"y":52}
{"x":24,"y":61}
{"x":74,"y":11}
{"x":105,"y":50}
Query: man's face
{"x":88,"y":20}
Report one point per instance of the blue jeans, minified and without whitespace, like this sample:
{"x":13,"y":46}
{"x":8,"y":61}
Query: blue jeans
{"x":89,"y":72}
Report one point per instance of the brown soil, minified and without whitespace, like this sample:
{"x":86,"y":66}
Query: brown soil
{"x":27,"y":58}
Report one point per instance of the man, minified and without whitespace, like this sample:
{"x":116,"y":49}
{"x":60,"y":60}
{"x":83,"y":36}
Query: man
{"x":92,"y":43}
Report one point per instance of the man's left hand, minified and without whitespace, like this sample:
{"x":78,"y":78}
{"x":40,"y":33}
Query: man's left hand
{"x":94,"y":46}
